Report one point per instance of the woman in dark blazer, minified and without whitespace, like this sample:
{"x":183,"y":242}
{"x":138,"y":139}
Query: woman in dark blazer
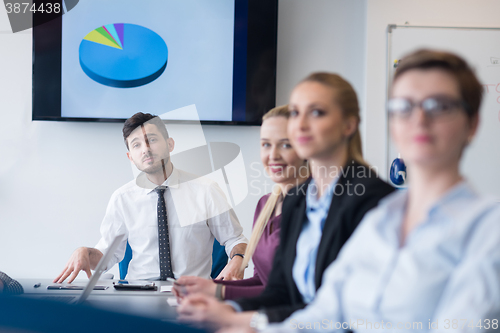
{"x":317,"y":217}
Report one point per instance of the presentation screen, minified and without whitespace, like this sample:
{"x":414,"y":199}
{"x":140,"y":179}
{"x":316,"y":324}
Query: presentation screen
{"x":106,"y":60}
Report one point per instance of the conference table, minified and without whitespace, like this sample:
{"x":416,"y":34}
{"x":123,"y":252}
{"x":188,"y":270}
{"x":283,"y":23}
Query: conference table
{"x":151,"y":304}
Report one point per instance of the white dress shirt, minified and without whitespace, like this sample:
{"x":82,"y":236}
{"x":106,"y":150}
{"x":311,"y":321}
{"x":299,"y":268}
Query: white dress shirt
{"x":197,"y":211}
{"x":444,"y":278}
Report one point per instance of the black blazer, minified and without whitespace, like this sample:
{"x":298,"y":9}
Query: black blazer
{"x":361,"y":191}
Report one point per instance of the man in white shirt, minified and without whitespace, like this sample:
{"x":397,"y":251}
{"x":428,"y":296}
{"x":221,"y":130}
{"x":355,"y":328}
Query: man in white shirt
{"x":196,"y":209}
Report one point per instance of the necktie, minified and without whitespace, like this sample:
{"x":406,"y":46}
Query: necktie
{"x":163,"y":239}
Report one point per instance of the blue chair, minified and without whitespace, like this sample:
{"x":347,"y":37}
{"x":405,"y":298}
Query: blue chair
{"x":219,"y":260}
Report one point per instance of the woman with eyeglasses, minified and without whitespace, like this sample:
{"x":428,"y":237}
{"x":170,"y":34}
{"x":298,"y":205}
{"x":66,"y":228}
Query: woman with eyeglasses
{"x":426,"y":259}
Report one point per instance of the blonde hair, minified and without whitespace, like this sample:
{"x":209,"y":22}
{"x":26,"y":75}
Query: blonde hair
{"x":267,"y":210}
{"x":279,"y":111}
{"x":260,"y":225}
{"x":346,"y":98}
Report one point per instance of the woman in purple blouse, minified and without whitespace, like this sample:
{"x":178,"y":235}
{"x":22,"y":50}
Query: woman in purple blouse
{"x":285,"y":169}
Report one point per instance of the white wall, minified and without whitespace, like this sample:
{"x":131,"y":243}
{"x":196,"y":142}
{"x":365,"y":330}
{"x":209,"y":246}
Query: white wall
{"x":320,"y":35}
{"x":56,"y":177}
{"x":380,"y":13}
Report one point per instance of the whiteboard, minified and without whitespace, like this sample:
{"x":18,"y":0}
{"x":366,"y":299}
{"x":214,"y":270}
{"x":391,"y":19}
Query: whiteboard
{"x":481,"y":48}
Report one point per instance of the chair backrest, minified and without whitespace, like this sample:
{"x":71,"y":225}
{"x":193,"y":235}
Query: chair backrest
{"x":123,"y":265}
{"x":219,"y":260}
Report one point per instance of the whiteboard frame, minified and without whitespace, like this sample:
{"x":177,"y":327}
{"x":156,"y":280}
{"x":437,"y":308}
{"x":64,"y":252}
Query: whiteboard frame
{"x":390,"y":28}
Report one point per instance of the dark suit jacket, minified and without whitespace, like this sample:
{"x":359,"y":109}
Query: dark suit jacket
{"x":357,"y":191}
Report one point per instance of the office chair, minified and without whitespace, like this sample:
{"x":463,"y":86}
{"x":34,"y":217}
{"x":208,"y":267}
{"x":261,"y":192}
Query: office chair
{"x":219,"y":260}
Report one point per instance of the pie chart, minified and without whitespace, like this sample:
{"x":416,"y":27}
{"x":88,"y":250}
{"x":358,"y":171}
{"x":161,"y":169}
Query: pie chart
{"x":123,"y":55}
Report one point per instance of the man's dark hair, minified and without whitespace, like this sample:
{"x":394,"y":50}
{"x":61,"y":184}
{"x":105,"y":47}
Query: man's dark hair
{"x":140,"y":119}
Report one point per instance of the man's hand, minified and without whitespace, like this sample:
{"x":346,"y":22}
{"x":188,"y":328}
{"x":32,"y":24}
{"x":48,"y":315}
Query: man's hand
{"x":192,"y":285}
{"x":232,"y":270}
{"x":83,"y":259}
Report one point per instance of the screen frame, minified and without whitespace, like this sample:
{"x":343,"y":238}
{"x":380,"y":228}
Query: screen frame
{"x":255,"y":51}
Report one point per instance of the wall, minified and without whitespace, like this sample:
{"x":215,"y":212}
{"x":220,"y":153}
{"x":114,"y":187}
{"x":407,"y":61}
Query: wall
{"x":380,"y":13}
{"x":320,"y":35}
{"x":56,"y":177}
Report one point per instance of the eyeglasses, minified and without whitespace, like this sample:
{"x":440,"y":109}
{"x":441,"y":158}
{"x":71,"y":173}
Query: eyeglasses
{"x":434,"y":107}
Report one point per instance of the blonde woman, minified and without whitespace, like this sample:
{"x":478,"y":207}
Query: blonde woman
{"x":319,"y":217}
{"x":285,"y":169}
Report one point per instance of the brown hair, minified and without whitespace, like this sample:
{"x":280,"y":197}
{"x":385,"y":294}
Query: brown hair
{"x":140,"y":119}
{"x":346,"y":98}
{"x":470,"y":88}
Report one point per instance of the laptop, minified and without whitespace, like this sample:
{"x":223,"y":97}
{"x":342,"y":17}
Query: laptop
{"x":101,"y":266}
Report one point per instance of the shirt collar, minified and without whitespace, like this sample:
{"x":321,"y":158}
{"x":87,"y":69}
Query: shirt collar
{"x":312,"y":200}
{"x":461,"y":190}
{"x":172,"y":181}
{"x":398,"y":201}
